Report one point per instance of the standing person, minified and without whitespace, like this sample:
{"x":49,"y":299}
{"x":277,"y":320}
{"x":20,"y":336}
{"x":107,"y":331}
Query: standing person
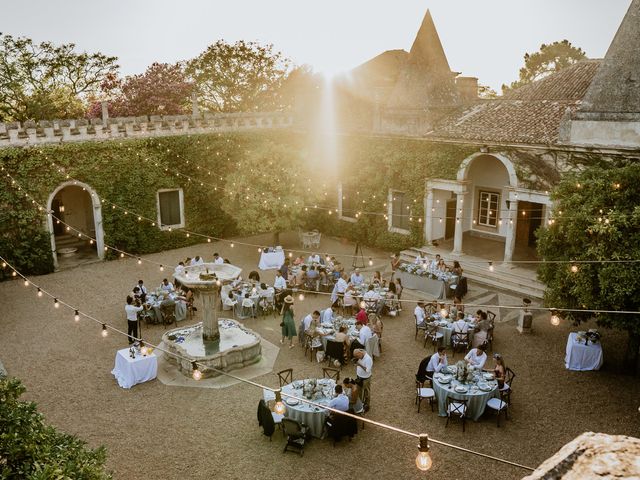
{"x":288,"y":324}
{"x":395,"y":263}
{"x":284,"y":269}
{"x":351,"y":390}
{"x":143,"y":291}
{"x":399,"y":289}
{"x":132,"y":319}
{"x":364,"y":365}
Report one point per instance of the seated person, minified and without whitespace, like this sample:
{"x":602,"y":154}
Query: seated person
{"x":308,"y":320}
{"x":197,"y":260}
{"x":499,"y":370}
{"x":284,"y":269}
{"x":357,"y":278}
{"x":477,"y":357}
{"x":435,"y":262}
{"x":136,"y":294}
{"x":264,"y":291}
{"x":442,"y":267}
{"x":301,"y":277}
{"x":340,"y":401}
{"x":420,"y":314}
{"x":371,"y":294}
{"x":166,"y":285}
{"x":350,"y":299}
{"x":312,"y":277}
{"x":421,"y":374}
{"x":299,"y":260}
{"x":179,"y":269}
{"x":254,"y":277}
{"x":364,"y":334}
{"x":327,"y":315}
{"x":279,"y":283}
{"x":438,"y":361}
{"x":377,"y":279}
{"x":313,"y":258}
{"x":419,"y":260}
{"x":229,"y":301}
{"x":460,"y":325}
{"x":342,"y":336}
{"x":217,"y":259}
{"x":361,"y":316}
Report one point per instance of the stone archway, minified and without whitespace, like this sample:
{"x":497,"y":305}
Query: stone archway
{"x":465,"y":166}
{"x":82,"y":211}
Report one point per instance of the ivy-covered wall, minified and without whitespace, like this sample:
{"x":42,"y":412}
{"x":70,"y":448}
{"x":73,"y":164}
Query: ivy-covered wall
{"x":129,"y":172}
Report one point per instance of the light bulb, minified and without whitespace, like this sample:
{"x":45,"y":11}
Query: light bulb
{"x":259,"y":250}
{"x":139,"y":261}
{"x":290,"y":254}
{"x":574,"y":268}
{"x":208,"y":240}
{"x":26,"y":282}
{"x":188,"y":234}
{"x":491,"y":266}
{"x":56,"y":304}
{"x":370,"y":261}
{"x":76,"y":317}
{"x":301,"y":297}
{"x":14,"y":274}
{"x":161,"y":268}
{"x":232,"y":245}
{"x":196,"y":374}
{"x":39,"y":292}
{"x":4,"y":264}
{"x":423,"y":460}
{"x":122,"y":255}
{"x":144,"y":350}
{"x":105,"y":332}
{"x":279,"y":407}
{"x":555,"y":320}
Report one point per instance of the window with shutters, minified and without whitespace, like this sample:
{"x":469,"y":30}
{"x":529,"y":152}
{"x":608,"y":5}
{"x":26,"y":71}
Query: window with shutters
{"x":170,"y":209}
{"x":488,"y":209}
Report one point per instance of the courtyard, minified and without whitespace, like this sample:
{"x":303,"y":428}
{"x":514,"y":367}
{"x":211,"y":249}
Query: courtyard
{"x":160,"y":431}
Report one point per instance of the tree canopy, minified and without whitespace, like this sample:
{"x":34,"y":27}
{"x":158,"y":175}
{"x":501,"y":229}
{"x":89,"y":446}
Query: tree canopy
{"x":549,"y":59}
{"x":30,"y":449}
{"x":239,"y":77}
{"x":48,"y":81}
{"x":596,"y":218}
{"x":163,"y":89}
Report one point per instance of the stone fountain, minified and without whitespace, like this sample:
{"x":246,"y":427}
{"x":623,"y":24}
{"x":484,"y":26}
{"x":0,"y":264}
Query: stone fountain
{"x":224,"y":344}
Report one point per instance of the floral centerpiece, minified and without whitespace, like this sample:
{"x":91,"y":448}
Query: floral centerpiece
{"x":464,"y":374}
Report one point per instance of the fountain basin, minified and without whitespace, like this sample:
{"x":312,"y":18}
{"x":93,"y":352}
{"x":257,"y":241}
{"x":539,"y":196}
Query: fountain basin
{"x":237,"y":347}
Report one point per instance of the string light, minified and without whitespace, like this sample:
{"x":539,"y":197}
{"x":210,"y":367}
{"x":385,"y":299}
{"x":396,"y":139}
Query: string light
{"x":491,"y":266}
{"x":104,"y":332}
{"x":56,"y":304}
{"x":574,"y":269}
{"x":162,"y":268}
{"x":196,"y":373}
{"x":139,"y":261}
{"x":39,"y":292}
{"x":26,"y":282}
{"x":76,"y":317}
{"x":301,"y":296}
{"x":423,"y":460}
{"x":279,"y":407}
{"x":370,"y":261}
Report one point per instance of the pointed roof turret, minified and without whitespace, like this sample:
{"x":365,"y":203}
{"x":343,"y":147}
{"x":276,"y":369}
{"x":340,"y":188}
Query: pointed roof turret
{"x":616,"y":85}
{"x":427,"y":49}
{"x":426,"y":79}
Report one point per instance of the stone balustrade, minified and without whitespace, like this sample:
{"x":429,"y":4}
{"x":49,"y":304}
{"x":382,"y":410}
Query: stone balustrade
{"x":42,"y":132}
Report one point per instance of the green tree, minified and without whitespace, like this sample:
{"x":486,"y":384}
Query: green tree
{"x":43,"y":80}
{"x":239,"y":77}
{"x":267,"y":191}
{"x":596,"y":218}
{"x":550,"y":59}
{"x":30,"y":449}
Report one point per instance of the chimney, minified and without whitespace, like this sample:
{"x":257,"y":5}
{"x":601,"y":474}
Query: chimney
{"x":467,"y":88}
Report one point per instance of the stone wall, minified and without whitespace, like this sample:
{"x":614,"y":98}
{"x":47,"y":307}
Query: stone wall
{"x":58,"y":131}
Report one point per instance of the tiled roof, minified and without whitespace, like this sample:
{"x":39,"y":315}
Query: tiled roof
{"x":529,"y":115}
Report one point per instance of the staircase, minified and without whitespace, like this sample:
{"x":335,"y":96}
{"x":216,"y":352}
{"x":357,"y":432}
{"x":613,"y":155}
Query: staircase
{"x":69,"y":241}
{"x":511,"y":279}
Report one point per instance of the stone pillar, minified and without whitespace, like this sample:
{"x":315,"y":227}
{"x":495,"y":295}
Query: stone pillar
{"x":525,"y":321}
{"x":105,"y":111}
{"x":210,"y":298}
{"x":510,"y":240}
{"x":457,"y":237}
{"x":428,"y":216}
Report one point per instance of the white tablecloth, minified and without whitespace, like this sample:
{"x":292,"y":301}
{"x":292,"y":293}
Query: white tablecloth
{"x":271,"y":260}
{"x":130,"y":371}
{"x":437,"y":289}
{"x":582,"y":357}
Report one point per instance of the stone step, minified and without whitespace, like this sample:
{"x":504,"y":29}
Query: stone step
{"x":69,"y":241}
{"x":519,"y":281}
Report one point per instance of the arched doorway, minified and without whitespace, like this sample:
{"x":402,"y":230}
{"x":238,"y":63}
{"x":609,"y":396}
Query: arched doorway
{"x":76,"y":208}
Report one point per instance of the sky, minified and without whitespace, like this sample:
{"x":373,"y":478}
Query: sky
{"x":482,"y":38}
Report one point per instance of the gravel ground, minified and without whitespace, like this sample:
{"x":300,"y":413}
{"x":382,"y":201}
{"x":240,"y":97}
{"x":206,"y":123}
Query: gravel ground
{"x":158,"y":431}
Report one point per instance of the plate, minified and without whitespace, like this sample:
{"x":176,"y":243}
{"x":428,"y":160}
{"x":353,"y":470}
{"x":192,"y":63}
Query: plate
{"x":488,"y":376}
{"x":291,"y":401}
{"x":484,"y":387}
{"x":297,"y":384}
{"x":461,"y":389}
{"x":445,"y":378}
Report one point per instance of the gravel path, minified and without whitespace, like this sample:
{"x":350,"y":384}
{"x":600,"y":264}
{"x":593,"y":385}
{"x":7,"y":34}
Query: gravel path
{"x":158,"y":431}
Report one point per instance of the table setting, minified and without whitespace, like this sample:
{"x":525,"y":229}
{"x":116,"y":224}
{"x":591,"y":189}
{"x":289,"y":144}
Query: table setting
{"x":318,"y":390}
{"x":445,"y":326}
{"x":135,"y":365}
{"x":433,"y":282}
{"x":240,"y":291}
{"x":154,"y":301}
{"x":584,"y":351}
{"x":463,"y":382}
{"x":328,"y":330}
{"x":271,"y":258}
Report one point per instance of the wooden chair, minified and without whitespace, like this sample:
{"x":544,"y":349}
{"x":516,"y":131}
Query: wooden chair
{"x":285,"y":376}
{"x":508,"y":383}
{"x":332,"y":373}
{"x":489,"y":339}
{"x":296,"y":434}
{"x":334,"y":351}
{"x":456,"y":408}
{"x":459,"y":341}
{"x":491,"y":316}
{"x":168,"y":313}
{"x":433,"y":335}
{"x":500,"y":405}
{"x":424,"y":393}
{"x":422,"y":326}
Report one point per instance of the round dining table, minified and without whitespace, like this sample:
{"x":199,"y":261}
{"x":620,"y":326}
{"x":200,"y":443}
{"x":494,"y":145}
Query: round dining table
{"x":445,"y":385}
{"x":312,"y":416}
